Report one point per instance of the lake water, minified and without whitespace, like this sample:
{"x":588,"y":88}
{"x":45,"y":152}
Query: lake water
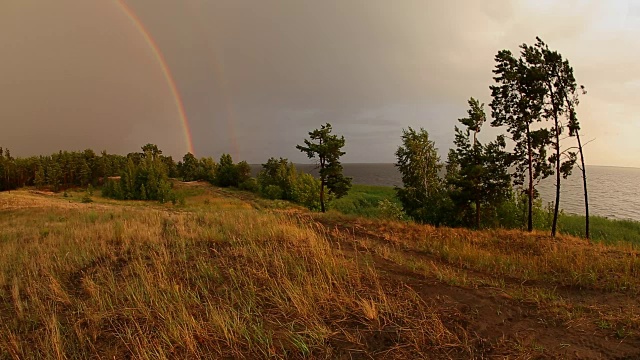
{"x":614,"y":192}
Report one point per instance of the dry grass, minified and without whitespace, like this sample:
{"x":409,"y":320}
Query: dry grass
{"x":219,"y":279}
{"x":103,"y":281}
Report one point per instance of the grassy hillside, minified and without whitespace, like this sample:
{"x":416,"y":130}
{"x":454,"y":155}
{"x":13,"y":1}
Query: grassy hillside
{"x":226,"y":275}
{"x":363,"y":200}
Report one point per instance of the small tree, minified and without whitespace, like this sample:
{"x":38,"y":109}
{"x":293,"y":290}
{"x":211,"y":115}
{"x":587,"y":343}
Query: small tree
{"x":226,"y":174}
{"x":207,"y":169}
{"x":481,"y":178}
{"x":419,"y":164}
{"x":188,"y":167}
{"x":280,"y":173}
{"x":327,"y":149}
{"x":242,"y":173}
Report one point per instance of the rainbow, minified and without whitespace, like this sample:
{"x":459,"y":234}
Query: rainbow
{"x":165,"y":70}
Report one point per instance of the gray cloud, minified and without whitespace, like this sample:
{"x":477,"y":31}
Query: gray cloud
{"x":256,"y":76}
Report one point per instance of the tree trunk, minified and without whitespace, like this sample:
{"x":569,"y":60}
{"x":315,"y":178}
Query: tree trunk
{"x":530,"y":189}
{"x":557,"y":204}
{"x":322,"y":195}
{"x":584,"y":183}
{"x":477,"y":214}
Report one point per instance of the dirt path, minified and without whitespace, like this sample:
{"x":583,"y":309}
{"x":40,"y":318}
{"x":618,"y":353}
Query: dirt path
{"x":499,"y":322}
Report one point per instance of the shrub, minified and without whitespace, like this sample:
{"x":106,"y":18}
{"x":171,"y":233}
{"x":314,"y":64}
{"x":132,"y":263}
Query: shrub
{"x":272,"y":192}
{"x":391,"y":210}
{"x":230,"y":174}
{"x":306,"y":191}
{"x":280,"y":173}
{"x":249,"y":185}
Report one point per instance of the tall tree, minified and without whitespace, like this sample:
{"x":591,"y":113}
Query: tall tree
{"x":327,"y":148}
{"x":40,"y":179}
{"x":151,"y":150}
{"x":559,"y":84}
{"x":518,"y":103}
{"x":54,"y":174}
{"x":574,"y":130}
{"x":419,"y":164}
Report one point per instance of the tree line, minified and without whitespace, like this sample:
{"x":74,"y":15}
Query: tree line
{"x":534,"y":101}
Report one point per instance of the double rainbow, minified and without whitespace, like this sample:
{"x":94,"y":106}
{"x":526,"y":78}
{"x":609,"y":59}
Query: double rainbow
{"x":165,"y":70}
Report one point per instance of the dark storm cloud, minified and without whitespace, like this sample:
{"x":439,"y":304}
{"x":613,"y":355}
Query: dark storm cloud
{"x":256,"y":76}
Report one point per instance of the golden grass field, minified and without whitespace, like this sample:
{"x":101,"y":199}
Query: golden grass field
{"x":227,"y":275}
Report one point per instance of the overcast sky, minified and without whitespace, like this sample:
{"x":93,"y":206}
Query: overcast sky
{"x":256,"y":76}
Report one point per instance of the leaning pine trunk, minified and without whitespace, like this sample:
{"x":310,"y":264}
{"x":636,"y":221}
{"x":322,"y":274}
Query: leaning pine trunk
{"x":584,"y":183}
{"x":557,"y":204}
{"x":530,"y":190}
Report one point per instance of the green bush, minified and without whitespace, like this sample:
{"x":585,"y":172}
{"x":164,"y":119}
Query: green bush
{"x":306,"y":191}
{"x":390,"y":210}
{"x":272,"y":192}
{"x":249,"y":185}
{"x":280,"y":173}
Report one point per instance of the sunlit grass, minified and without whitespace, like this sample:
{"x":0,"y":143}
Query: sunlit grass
{"x":229,"y":275}
{"x":90,"y":280}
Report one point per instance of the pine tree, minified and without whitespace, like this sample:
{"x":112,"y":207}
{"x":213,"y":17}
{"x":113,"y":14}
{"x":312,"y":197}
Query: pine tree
{"x":518,"y":103}
{"x":327,"y":148}
{"x":482,"y":178}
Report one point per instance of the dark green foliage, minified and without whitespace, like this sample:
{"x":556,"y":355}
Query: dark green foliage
{"x":188,"y":168}
{"x":85,"y":173}
{"x":192,"y":169}
{"x":278,"y":173}
{"x":40,"y":178}
{"x":327,"y":148}
{"x":279,"y":180}
{"x":250,"y":185}
{"x":272,"y":192}
{"x":59,"y":171}
{"x":518,"y":105}
{"x":207,"y":168}
{"x":477,"y":175}
{"x":242,"y":173}
{"x":227,"y":173}
{"x":171,"y":166}
{"x":54,"y":175}
{"x":148,"y":180}
{"x":560,"y":91}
